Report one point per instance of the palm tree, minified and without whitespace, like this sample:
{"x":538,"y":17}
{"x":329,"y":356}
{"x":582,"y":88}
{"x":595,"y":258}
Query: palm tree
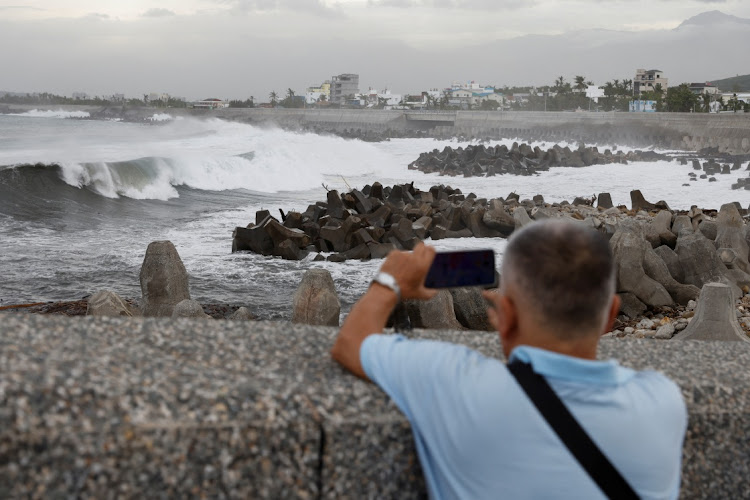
{"x":274,"y":96}
{"x":560,"y":84}
{"x":289,"y":93}
{"x":580,"y":83}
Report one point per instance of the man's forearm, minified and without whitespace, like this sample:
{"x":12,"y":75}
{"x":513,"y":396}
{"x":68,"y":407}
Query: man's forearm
{"x":369,"y":315}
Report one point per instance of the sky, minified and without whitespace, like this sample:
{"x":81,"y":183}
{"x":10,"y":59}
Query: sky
{"x":238,"y":48}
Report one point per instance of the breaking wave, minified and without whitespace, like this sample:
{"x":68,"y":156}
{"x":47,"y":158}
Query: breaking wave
{"x":49,"y":113}
{"x":142,"y":163}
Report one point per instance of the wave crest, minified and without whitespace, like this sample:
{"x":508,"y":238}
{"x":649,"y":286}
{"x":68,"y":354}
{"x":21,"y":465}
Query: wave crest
{"x":49,"y":113}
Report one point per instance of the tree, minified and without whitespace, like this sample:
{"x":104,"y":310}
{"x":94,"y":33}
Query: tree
{"x":559,"y":84}
{"x":580,"y":83}
{"x":273,"y":96}
{"x":289,"y":94}
{"x":489,"y":105}
{"x":681,"y":99}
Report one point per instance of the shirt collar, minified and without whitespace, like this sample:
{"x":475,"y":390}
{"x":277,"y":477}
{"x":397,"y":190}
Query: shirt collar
{"x":561,"y":366}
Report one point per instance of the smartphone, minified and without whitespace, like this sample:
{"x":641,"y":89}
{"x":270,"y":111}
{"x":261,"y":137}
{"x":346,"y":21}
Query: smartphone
{"x":462,"y":268}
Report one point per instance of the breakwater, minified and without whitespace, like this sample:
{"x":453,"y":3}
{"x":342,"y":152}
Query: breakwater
{"x":727,"y":132}
{"x":154,"y":407}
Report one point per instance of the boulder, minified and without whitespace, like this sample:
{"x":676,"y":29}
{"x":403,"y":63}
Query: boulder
{"x":631,"y":306}
{"x":335,"y":207}
{"x":681,"y":223}
{"x":315,"y":302}
{"x":657,"y":269}
{"x":700,"y":262}
{"x":730,"y":233}
{"x":164,"y":280}
{"x":436,"y":313}
{"x":288,"y":250}
{"x":254,"y":239}
{"x":604,"y":201}
{"x":715,"y":317}
{"x":672,"y":261}
{"x":189,"y":309}
{"x":521,"y":217}
{"x":499,"y":220}
{"x":638,"y":202}
{"x":280,"y":233}
{"x":242,"y":314}
{"x":708,"y":227}
{"x":470,"y":308}
{"x":659,"y":231}
{"x":107,"y":303}
{"x":629,"y":251}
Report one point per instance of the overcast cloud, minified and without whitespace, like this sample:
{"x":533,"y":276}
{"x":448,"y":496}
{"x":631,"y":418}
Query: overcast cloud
{"x":238,"y":48}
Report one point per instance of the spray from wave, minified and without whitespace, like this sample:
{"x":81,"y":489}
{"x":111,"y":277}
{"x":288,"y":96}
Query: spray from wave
{"x":210,"y":155}
{"x":49,"y":113}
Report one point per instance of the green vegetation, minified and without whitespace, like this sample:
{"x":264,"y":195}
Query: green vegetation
{"x":681,"y":99}
{"x":247,"y":103}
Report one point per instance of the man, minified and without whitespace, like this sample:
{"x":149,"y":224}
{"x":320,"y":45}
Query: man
{"x":477,"y":433}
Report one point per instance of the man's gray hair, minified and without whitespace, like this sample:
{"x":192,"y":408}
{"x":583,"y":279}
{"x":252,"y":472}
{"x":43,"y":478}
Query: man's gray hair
{"x":565,"y":271}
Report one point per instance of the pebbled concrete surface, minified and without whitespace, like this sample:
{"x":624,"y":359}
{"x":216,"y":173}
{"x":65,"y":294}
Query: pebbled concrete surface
{"x":152,"y":407}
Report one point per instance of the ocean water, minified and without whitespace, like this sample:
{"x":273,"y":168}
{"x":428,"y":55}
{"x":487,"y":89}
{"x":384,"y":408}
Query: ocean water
{"x":80,"y":200}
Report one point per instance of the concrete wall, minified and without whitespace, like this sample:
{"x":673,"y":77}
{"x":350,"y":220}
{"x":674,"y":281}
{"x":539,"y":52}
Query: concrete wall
{"x":728,"y":133}
{"x":101,"y":407}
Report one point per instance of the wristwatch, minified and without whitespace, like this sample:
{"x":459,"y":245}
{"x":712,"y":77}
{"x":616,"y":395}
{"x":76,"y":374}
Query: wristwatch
{"x":388,"y":281}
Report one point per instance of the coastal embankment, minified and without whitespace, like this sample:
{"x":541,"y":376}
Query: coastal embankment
{"x":158,"y":407}
{"x":727,"y":133}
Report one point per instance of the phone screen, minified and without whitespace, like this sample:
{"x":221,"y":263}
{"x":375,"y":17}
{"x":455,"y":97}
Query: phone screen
{"x":463,"y":268}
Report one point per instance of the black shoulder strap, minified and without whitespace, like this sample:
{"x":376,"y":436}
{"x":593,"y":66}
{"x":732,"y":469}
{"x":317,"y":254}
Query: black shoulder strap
{"x":571,"y":433}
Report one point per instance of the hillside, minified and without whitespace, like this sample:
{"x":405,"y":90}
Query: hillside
{"x":739,"y":83}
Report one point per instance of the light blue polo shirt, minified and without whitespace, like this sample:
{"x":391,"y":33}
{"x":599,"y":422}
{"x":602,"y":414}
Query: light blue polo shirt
{"x":479,"y":436}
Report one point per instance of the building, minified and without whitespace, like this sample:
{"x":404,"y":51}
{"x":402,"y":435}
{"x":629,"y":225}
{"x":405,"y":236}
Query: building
{"x":211,"y":103}
{"x":344,"y":87}
{"x":647,"y":80}
{"x":594,"y":93}
{"x":704,"y":88}
{"x":313,"y":95}
{"x":385,"y":99}
{"x":471,"y":94}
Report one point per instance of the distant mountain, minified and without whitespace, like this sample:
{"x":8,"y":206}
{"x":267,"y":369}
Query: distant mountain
{"x":712,"y":18}
{"x":733,"y":84}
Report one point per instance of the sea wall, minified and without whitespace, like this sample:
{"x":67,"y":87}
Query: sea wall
{"x":727,"y":132}
{"x":91,"y":407}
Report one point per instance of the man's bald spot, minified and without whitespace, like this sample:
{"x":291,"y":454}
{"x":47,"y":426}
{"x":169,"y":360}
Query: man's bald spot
{"x":564,"y":273}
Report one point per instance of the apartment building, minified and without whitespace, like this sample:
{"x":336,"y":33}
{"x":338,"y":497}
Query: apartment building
{"x":647,"y":80}
{"x":344,"y":87}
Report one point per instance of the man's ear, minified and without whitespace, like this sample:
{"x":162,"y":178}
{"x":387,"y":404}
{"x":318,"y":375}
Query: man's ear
{"x":614,"y":308}
{"x":507,"y":316}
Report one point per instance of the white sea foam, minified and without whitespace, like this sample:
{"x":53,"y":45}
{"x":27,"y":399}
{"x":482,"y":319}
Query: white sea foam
{"x":214,"y":156}
{"x":49,"y":113}
{"x":160,"y":117}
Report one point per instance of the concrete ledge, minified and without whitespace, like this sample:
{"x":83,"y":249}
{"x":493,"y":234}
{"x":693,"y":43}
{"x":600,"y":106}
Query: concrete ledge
{"x":158,"y":407}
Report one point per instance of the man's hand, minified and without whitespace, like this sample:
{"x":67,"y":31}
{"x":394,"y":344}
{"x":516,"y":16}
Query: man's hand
{"x":370,"y":314}
{"x":410,"y":270}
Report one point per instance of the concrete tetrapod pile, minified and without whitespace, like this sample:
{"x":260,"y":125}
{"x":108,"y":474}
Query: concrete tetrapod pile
{"x":663,"y":257}
{"x":483,"y":161}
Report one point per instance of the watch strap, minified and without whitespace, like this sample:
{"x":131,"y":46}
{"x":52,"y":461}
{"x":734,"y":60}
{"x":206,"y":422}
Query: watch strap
{"x":388,"y":281}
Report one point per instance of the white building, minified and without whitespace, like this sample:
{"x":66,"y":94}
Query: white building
{"x":211,"y":103}
{"x":594,"y":93}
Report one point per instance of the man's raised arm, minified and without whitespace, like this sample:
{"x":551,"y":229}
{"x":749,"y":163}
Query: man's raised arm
{"x":370,"y":314}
